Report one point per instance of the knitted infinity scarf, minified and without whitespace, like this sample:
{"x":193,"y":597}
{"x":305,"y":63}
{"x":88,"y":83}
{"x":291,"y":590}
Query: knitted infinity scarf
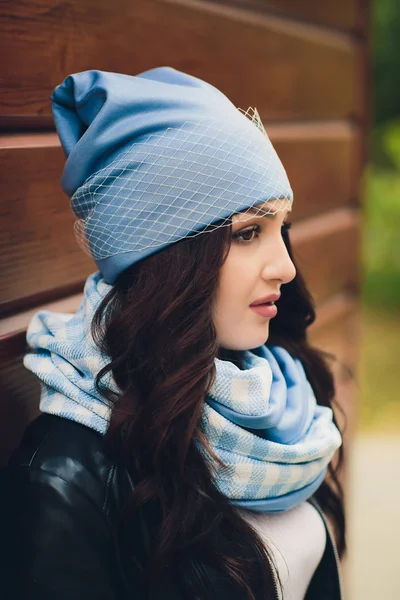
{"x":263,"y":422}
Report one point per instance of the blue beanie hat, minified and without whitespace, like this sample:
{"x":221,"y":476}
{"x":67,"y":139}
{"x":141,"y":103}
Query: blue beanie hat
{"x":157,"y":157}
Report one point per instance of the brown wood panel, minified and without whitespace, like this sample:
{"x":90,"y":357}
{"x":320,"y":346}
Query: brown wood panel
{"x":326,"y":251}
{"x":289,"y":70}
{"x":38,"y":251}
{"x":337,"y":331}
{"x":344,"y":15}
{"x":322,"y":162}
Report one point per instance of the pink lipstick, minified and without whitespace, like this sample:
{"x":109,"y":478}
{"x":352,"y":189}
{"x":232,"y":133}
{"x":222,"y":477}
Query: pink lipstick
{"x":265,"y":307}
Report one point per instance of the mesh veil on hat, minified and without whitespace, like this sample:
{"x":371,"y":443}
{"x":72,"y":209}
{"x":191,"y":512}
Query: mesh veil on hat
{"x":155,"y":158}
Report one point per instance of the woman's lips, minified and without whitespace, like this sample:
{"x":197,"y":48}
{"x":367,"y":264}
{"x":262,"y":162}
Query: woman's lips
{"x":268,"y":310}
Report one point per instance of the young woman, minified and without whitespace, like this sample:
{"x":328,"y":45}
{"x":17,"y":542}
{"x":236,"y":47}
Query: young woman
{"x":186,"y":442}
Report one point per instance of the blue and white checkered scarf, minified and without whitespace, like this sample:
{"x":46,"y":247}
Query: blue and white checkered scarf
{"x":263,"y":422}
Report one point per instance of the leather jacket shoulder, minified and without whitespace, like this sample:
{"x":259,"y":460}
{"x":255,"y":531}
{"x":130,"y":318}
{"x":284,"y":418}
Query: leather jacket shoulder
{"x":61,"y":491}
{"x":61,"y":495}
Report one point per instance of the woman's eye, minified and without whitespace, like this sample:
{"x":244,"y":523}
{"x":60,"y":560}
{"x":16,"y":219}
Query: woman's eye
{"x":247,"y":235}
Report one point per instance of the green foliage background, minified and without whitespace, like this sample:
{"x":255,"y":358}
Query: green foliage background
{"x":379,"y":379}
{"x":386,"y":51}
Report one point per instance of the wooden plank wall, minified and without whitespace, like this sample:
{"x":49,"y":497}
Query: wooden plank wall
{"x":302,"y":63}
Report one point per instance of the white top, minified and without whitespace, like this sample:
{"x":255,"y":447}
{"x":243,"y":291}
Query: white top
{"x":296,"y":539}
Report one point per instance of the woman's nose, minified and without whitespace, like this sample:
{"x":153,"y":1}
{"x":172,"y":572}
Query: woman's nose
{"x":289,"y":269}
{"x":279,"y":264}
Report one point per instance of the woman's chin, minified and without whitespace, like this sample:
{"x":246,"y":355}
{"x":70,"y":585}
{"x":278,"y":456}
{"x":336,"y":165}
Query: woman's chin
{"x":248,"y":342}
{"x":258,"y":337}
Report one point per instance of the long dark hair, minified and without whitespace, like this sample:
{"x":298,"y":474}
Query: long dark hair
{"x":156,"y":326}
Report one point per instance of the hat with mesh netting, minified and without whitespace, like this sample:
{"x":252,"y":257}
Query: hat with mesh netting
{"x":158,"y":157}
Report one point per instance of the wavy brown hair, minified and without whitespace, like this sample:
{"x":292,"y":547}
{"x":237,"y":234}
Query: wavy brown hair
{"x":156,"y":326}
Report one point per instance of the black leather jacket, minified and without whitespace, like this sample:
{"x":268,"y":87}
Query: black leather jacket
{"x":60,"y":494}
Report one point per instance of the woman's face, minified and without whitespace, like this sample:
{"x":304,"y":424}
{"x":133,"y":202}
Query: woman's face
{"x":258,"y":264}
